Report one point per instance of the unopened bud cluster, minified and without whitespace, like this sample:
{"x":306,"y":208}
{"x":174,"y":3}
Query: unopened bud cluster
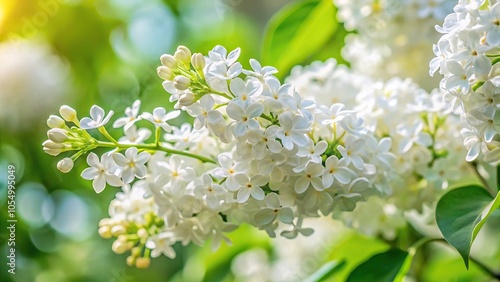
{"x":62,"y":138}
{"x":183,"y":75}
{"x":135,"y":231}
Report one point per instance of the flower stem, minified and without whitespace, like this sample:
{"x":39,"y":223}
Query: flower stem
{"x":104,"y":132}
{"x":157,"y":136}
{"x":154,"y":147}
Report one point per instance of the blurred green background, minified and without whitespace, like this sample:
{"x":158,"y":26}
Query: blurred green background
{"x":83,"y":52}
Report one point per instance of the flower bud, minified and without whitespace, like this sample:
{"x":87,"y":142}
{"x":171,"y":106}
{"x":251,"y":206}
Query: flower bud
{"x":142,"y":262}
{"x":142,"y":233}
{"x":68,"y":113}
{"x":57,"y":135}
{"x":198,"y":61}
{"x":55,"y":122}
{"x":52,"y":148}
{"x":65,"y":165}
{"x":118,"y":230}
{"x":104,"y":232}
{"x":187,"y":98}
{"x":136,"y":251}
{"x":52,"y":145}
{"x":183,"y":54}
{"x":130,"y":260}
{"x":122,"y":238}
{"x":165,"y":73}
{"x":104,"y":222}
{"x":119,"y":247}
{"x":181,"y":82}
{"x":168,"y":61}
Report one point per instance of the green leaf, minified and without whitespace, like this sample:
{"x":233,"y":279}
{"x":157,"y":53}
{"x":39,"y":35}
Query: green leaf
{"x":498,"y":177}
{"x":326,"y":271}
{"x":381,"y":267}
{"x":297,"y":31}
{"x":461,"y":213}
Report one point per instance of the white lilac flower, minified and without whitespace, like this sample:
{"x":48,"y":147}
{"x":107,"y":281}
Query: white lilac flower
{"x":228,"y":169}
{"x":352,"y":151}
{"x":209,"y":191}
{"x":159,"y":117}
{"x":133,"y":135}
{"x":469,"y":73}
{"x":489,"y":23}
{"x":336,"y":169}
{"x":250,"y":187}
{"x":261,"y":140}
{"x":97,"y":118}
{"x":185,"y":137}
{"x":244,"y":116}
{"x":132,"y":115}
{"x":132,"y":163}
{"x":204,"y":112}
{"x":277,"y":95}
{"x":310,"y":176}
{"x":273,"y":210}
{"x":101,"y":172}
{"x":245,"y":90}
{"x":292,"y":130}
{"x":161,"y":243}
{"x":175,"y":172}
{"x":259,"y":71}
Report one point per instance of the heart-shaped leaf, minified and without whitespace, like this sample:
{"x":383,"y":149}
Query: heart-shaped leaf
{"x":461,"y":213}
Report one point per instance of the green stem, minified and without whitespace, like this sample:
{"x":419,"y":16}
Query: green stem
{"x":157,"y":136}
{"x":477,"y":85}
{"x":495,"y":61}
{"x":104,"y":132}
{"x":154,"y":147}
{"x":221,"y":94}
{"x":425,"y":240}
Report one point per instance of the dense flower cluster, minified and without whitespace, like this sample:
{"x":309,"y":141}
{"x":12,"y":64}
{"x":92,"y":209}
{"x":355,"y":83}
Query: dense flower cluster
{"x":468,"y":56}
{"x":393,"y":37}
{"x":256,"y":153}
{"x":426,"y":141}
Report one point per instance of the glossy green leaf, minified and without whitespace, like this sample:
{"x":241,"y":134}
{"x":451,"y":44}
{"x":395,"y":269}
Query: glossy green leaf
{"x":326,"y":271}
{"x":461,"y":213}
{"x":298,"y":31}
{"x":498,"y":177}
{"x":381,"y":267}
